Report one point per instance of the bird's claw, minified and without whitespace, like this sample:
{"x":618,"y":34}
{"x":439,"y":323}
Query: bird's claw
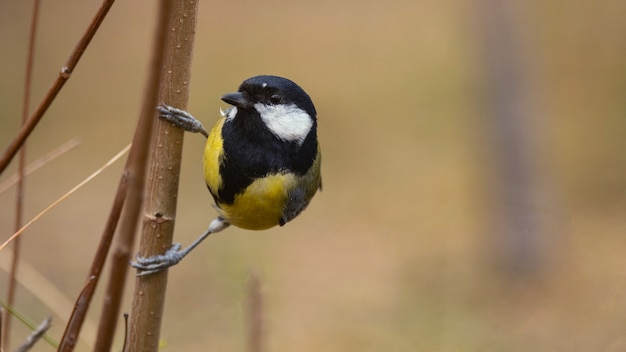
{"x":180,"y":118}
{"x":159,"y":262}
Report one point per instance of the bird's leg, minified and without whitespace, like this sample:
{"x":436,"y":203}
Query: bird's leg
{"x":181,"y":118}
{"x":171,"y":257}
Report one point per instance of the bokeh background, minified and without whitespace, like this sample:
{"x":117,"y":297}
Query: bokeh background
{"x":474,"y":172}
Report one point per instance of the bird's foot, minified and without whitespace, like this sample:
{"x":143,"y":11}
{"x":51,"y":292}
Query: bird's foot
{"x":181,"y":118}
{"x":159,"y":262}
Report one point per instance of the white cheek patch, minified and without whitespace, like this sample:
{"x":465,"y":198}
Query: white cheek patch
{"x":286,"y":121}
{"x":230,"y":113}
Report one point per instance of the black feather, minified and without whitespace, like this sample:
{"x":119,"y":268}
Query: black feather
{"x":251,"y":150}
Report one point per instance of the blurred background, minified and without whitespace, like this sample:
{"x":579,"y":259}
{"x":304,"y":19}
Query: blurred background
{"x":473,"y":163}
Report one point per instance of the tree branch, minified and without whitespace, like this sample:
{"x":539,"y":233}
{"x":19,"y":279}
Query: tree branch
{"x":137,"y":164}
{"x":164,"y":171}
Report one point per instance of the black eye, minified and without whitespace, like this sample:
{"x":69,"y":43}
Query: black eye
{"x":276,"y":98}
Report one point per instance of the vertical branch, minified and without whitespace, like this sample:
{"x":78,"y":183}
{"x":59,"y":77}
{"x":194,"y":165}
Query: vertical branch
{"x":1,"y":326}
{"x":510,"y":112}
{"x":136,"y":172}
{"x":163,"y":175}
{"x":19,"y":198}
{"x":255,"y":314}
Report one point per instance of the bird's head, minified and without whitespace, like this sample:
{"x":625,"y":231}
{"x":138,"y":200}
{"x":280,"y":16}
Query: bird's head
{"x":284,"y":108}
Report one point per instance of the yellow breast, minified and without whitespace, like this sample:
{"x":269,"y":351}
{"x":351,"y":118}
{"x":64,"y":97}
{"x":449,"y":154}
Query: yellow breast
{"x":261,"y":205}
{"x":213,"y":154}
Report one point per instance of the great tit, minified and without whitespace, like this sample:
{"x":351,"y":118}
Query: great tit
{"x":261,"y":160}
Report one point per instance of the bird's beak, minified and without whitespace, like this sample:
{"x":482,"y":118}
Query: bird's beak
{"x":236,"y":99}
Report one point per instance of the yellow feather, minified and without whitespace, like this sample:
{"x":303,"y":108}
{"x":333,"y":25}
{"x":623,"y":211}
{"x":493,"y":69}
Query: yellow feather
{"x":213,"y":154}
{"x":261,"y":204}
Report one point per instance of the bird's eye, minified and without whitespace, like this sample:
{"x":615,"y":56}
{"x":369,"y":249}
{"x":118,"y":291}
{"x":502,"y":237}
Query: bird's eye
{"x":276,"y":99}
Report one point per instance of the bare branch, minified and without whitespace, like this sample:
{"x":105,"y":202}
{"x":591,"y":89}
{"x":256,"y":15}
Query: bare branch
{"x":19,"y":195}
{"x":64,"y":75}
{"x":35,"y":335}
{"x":137,"y":170}
{"x":178,"y":20}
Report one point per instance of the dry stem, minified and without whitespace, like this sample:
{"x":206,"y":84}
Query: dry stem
{"x":19,"y":197}
{"x":137,"y":164}
{"x":76,"y":320}
{"x":64,"y":75}
{"x":162,"y":184}
{"x":36,"y":335}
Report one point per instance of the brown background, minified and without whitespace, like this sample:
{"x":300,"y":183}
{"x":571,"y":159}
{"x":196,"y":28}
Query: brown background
{"x":397,"y":253}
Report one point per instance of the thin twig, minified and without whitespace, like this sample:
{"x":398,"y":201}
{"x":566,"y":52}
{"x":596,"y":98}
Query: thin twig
{"x":1,"y":315}
{"x":19,"y":194}
{"x":35,"y":165}
{"x":36,"y":283}
{"x":79,"y":313}
{"x":64,"y":75}
{"x":125,"y":344}
{"x":35,"y":335}
{"x":63,"y":197}
{"x":70,"y":336}
{"x":178,"y":22}
{"x":27,"y":322}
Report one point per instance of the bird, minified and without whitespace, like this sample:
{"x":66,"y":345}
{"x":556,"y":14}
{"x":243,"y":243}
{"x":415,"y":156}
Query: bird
{"x":262,"y":160}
